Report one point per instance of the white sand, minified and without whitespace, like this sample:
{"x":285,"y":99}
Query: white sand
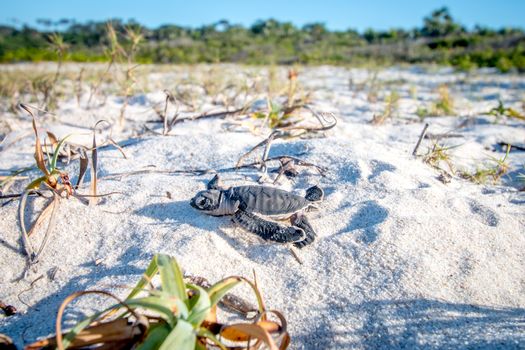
{"x":401,"y":260}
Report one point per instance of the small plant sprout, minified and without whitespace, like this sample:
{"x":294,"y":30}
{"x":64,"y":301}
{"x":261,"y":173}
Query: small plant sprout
{"x":134,"y":37}
{"x":493,"y":170}
{"x":113,"y":53}
{"x":444,"y":106}
{"x":275,"y":117}
{"x":174,"y":315}
{"x":502,"y":111}
{"x":292,"y":87}
{"x":52,"y":177}
{"x":439,"y":154}
{"x":391,"y":107}
{"x":53,"y":180}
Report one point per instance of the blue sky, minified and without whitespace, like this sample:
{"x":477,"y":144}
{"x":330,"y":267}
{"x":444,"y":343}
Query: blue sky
{"x":336,"y":14}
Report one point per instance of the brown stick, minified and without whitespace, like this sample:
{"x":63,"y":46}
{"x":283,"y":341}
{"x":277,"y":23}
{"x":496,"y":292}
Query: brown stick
{"x":294,"y":253}
{"x":420,"y":138}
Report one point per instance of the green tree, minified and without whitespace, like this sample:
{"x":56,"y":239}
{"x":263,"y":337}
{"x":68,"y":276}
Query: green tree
{"x":440,"y":23}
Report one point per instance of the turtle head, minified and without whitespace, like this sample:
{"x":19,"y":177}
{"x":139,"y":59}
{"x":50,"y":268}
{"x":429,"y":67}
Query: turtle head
{"x":208,"y":200}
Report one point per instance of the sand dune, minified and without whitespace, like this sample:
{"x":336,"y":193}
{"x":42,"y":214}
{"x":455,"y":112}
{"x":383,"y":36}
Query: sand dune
{"x":401,"y":260}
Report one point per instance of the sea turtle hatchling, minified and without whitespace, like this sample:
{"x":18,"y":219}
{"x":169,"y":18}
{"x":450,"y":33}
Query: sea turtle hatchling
{"x":249,"y":204}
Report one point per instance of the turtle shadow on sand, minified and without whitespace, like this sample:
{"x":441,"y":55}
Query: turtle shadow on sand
{"x":180,"y":212}
{"x":175,"y":213}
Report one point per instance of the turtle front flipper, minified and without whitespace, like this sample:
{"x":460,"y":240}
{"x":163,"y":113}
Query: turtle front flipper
{"x":268,"y":230}
{"x":299,"y":220}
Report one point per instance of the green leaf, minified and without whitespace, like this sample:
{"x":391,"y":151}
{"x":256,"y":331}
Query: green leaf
{"x":156,"y":336}
{"x":219,"y":289}
{"x":200,"y":307}
{"x":54,"y":160}
{"x":147,"y":276}
{"x":35,"y":184}
{"x":203,"y":332}
{"x":168,"y":308}
{"x":171,"y":277}
{"x":182,"y":337}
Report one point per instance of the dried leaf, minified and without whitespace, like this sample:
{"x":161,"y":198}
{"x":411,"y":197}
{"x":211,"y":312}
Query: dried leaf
{"x":113,"y":331}
{"x":52,"y":138}
{"x":39,"y":154}
{"x":84,"y":162}
{"x":43,"y":216}
{"x":246,"y":331}
{"x":117,"y":146}
{"x":64,"y":341}
{"x":21,"y":220}
{"x":93,"y":170}
{"x":54,"y":207}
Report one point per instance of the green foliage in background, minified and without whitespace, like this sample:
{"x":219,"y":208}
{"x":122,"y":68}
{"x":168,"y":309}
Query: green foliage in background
{"x":439,"y":40}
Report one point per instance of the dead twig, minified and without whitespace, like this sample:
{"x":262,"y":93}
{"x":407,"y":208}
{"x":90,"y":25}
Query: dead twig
{"x":294,"y":253}
{"x":420,"y":139}
{"x":31,"y":285}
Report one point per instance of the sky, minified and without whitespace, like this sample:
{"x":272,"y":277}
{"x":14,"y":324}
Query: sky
{"x":335,"y":14}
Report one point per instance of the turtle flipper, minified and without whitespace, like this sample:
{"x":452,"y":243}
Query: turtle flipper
{"x":215,"y":183}
{"x":300,"y":220}
{"x":268,"y":230}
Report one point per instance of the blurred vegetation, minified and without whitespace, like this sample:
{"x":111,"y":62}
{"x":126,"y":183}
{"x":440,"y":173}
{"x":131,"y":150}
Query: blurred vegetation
{"x":439,"y":40}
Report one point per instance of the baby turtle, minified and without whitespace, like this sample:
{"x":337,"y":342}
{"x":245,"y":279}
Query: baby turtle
{"x":246,"y":203}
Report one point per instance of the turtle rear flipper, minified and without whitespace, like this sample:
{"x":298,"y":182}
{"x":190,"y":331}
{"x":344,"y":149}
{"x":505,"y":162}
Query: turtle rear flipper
{"x":268,"y":230}
{"x":299,"y":220}
{"x":215,"y":183}
{"x":314,"y":194}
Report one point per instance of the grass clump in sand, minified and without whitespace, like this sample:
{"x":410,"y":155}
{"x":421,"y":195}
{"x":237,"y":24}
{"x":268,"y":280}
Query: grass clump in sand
{"x":283,"y":115}
{"x":493,"y":170}
{"x":443,"y":106}
{"x":391,"y":107}
{"x":502,"y":111}
{"x":174,"y":315}
{"x":439,"y":154}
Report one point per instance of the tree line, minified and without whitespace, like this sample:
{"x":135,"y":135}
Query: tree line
{"x":440,"y":39}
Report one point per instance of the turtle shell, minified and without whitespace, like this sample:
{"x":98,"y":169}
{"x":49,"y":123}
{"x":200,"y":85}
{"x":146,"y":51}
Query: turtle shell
{"x":267,"y":200}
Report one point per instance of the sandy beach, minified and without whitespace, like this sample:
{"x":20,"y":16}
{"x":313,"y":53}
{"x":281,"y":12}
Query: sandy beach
{"x":407,"y":256}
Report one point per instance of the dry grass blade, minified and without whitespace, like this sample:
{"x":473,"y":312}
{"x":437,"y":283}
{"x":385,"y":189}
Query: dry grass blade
{"x":39,"y":154}
{"x":246,"y":331}
{"x":117,"y":146}
{"x":94,"y":158}
{"x":48,"y":212}
{"x":54,"y":205}
{"x":165,"y":114}
{"x":116,"y":331}
{"x":84,"y":162}
{"x":52,"y":138}
{"x":265,"y":142}
{"x":21,"y":219}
